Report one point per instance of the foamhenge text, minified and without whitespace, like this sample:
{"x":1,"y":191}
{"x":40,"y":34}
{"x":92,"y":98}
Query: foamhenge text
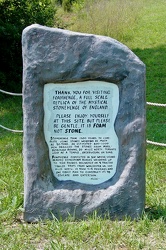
{"x":84,"y":126}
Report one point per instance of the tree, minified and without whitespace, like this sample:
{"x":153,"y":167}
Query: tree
{"x":15,"y":15}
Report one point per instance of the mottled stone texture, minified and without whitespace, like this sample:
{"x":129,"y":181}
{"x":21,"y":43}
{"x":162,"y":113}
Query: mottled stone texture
{"x":55,"y":55}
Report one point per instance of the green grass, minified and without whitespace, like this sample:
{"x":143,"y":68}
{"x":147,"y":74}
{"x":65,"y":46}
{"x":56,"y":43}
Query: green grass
{"x":95,"y":233}
{"x":148,"y":41}
{"x":11,"y":180}
{"x":109,"y":18}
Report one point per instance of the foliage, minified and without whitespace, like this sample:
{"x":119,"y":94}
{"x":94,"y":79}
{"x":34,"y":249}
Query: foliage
{"x":66,"y":4}
{"x":15,"y":15}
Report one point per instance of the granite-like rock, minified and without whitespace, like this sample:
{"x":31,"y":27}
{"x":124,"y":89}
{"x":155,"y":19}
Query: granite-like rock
{"x":53,"y":55}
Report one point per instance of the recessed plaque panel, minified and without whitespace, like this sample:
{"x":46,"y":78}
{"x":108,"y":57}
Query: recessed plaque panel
{"x":79,"y":130}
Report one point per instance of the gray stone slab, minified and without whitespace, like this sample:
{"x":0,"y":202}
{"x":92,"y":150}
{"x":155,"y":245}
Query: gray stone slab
{"x":60,"y":56}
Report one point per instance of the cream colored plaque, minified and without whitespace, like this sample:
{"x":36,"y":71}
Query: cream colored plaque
{"x":79,"y":130}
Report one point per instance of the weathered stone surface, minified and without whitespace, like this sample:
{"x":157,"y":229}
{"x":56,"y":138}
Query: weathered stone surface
{"x":54,"y":55}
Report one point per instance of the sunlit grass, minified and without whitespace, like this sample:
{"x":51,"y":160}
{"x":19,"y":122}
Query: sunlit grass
{"x":114,"y":18}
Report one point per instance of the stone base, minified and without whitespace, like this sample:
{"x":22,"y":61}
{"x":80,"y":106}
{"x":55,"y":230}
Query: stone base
{"x":59,"y":56}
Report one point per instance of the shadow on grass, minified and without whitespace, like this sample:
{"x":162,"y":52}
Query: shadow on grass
{"x":11,"y":114}
{"x":156,"y":213}
{"x":155,"y":61}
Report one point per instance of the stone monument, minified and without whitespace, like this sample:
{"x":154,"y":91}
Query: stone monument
{"x":84,"y":126}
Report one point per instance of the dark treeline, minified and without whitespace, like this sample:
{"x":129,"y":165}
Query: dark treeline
{"x":15,"y":15}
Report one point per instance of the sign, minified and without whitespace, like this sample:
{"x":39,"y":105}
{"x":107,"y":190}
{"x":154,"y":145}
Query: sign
{"x":84,"y":143}
{"x":79,"y":130}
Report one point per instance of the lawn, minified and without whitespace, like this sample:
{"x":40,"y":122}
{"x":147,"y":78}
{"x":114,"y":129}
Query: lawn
{"x":148,"y":41}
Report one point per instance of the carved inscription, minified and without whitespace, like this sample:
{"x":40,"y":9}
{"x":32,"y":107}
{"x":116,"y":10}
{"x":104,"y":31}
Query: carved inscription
{"x":79,"y":130}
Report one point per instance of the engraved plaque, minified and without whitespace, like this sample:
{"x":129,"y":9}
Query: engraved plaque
{"x":79,"y":130}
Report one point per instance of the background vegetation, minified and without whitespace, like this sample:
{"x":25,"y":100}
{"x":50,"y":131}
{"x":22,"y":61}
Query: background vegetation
{"x":145,"y":35}
{"x":15,"y":15}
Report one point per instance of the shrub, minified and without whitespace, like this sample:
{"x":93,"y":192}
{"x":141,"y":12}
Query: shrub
{"x":15,"y":15}
{"x":67,"y":4}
